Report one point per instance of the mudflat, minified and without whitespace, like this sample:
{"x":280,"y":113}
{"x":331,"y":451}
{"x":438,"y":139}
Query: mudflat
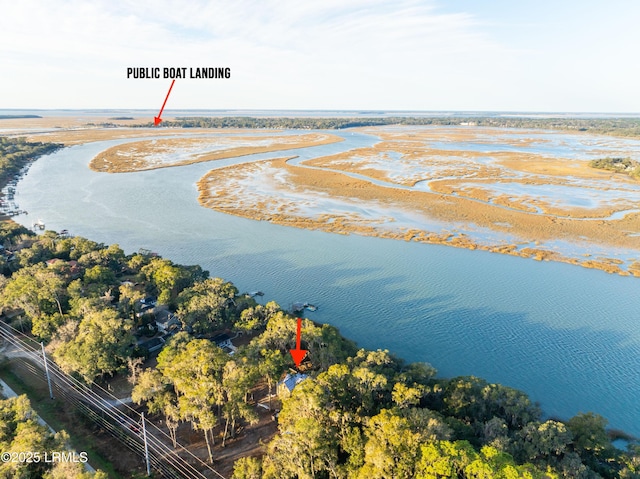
{"x":514,"y":202}
{"x":164,"y":153}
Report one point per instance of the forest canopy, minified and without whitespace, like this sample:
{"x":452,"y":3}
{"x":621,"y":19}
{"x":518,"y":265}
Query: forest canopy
{"x":629,"y":127}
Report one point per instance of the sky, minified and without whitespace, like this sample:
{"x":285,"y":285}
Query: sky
{"x":432,"y":55}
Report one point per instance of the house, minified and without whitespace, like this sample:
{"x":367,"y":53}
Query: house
{"x":71,"y":268}
{"x":75,"y":269}
{"x":152,"y":345}
{"x":146,"y":309}
{"x":148,"y":301}
{"x":223,"y":341}
{"x":289,"y":382}
{"x":166,"y":321}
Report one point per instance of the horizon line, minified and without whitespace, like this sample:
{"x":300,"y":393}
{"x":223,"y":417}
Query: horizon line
{"x":361,"y":111}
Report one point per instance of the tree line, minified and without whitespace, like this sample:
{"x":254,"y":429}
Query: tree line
{"x":15,"y":153}
{"x":618,"y":165}
{"x":629,"y":127}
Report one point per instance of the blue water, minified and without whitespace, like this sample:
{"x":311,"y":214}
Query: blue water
{"x":568,"y":336}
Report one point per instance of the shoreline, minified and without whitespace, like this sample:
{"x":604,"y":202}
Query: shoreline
{"x":218,"y":191}
{"x":437,"y":382}
{"x":134,"y":156}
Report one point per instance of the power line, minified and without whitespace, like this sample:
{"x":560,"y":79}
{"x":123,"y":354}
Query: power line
{"x":106,"y":413}
{"x":111,"y":419}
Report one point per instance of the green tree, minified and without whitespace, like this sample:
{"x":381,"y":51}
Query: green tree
{"x":371,"y":387}
{"x":128,"y":298}
{"x":252,"y":319}
{"x":36,"y":254}
{"x":589,"y":433}
{"x":417,"y":373}
{"x":79,"y":249}
{"x":392,"y":449}
{"x":270,"y":365}
{"x":158,"y":394}
{"x":444,"y":459}
{"x":137,"y":261}
{"x":39,"y":292}
{"x":21,"y":432}
{"x":113,"y":258}
{"x":169,"y":279}
{"x":247,"y":468}
{"x":279,"y":334}
{"x":45,"y":325}
{"x":237,"y":379}
{"x":405,"y":396}
{"x":35,"y":290}
{"x":308,"y":444}
{"x":195,"y":369}
{"x":207,"y":305}
{"x":430,"y":425}
{"x":73,"y":470}
{"x":99,"y":279}
{"x":325,"y":345}
{"x":102,"y":342}
{"x":304,"y":450}
{"x":544,"y":443}
{"x":474,"y":400}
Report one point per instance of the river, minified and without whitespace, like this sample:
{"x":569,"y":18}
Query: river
{"x":568,"y":336}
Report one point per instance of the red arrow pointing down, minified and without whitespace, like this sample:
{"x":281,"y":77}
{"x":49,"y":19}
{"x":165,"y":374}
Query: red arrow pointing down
{"x":298,"y":354}
{"x":157,"y":119}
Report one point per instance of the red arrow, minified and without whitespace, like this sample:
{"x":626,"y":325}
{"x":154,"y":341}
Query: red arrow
{"x":298,"y":354}
{"x":157,"y":119}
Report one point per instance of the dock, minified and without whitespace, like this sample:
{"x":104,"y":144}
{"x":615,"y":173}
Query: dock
{"x":299,"y":307}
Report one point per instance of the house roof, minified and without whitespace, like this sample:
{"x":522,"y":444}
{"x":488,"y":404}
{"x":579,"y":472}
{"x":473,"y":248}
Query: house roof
{"x":152,"y":344}
{"x":220,"y":338}
{"x":167,"y":319}
{"x":290,"y":381}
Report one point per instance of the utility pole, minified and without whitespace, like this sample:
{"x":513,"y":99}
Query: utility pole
{"x":46,"y":370}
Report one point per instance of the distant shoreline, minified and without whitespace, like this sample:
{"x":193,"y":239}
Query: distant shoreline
{"x":301,"y":113}
{"x":18,"y":117}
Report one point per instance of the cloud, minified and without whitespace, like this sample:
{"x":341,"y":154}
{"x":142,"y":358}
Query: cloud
{"x":279,"y":49}
{"x":361,"y":54}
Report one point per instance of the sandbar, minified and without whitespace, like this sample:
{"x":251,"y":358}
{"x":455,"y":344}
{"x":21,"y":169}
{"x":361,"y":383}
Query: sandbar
{"x":165,"y":153}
